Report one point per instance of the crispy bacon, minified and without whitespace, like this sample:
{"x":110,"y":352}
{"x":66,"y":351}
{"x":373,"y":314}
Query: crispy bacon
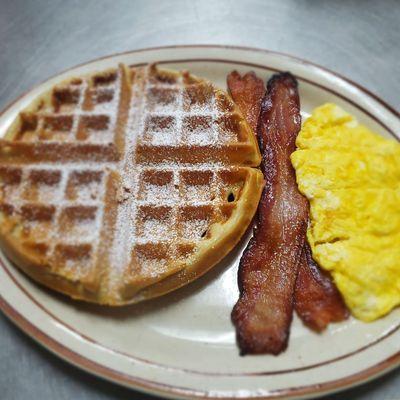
{"x":247,"y":91}
{"x":317,"y":301}
{"x":269,"y":265}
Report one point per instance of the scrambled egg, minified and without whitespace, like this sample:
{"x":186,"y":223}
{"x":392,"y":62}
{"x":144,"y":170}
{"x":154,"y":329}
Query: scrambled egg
{"x":351,"y":177}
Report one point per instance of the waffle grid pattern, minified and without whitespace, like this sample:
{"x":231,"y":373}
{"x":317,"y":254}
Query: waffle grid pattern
{"x":61,"y":206}
{"x":155,"y":178}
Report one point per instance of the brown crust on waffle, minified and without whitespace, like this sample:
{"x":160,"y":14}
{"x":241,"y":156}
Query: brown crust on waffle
{"x":38,"y":270}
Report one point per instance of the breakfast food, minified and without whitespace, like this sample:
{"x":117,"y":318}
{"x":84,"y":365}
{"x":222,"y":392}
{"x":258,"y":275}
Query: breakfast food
{"x":269,"y":265}
{"x":317,"y":301}
{"x":351,"y":177}
{"x":247,"y":92}
{"x":125,"y":184}
{"x":316,"y":298}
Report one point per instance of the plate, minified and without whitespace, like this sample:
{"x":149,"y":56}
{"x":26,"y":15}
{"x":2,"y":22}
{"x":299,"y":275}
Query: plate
{"x":183,"y":344}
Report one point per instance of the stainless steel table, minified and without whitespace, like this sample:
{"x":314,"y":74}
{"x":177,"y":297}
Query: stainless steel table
{"x":359,"y":39}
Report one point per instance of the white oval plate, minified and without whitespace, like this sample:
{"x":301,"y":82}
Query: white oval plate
{"x":183,"y":344}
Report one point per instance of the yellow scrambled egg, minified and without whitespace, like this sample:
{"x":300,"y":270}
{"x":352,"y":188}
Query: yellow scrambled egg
{"x":351,"y":177}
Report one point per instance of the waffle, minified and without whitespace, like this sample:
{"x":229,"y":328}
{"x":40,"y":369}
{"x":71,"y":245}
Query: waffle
{"x":125,"y":184}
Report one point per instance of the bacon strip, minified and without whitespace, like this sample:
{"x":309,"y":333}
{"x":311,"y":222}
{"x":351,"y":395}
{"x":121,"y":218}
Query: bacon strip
{"x":317,"y":301}
{"x":247,"y":92}
{"x":269,"y":265}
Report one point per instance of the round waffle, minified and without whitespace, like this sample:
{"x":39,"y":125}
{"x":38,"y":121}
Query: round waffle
{"x":126,"y":184}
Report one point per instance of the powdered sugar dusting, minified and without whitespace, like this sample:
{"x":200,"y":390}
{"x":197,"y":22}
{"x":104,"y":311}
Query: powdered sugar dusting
{"x":62,"y":203}
{"x":161,"y":114}
{"x":124,"y":233}
{"x":163,"y":205}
